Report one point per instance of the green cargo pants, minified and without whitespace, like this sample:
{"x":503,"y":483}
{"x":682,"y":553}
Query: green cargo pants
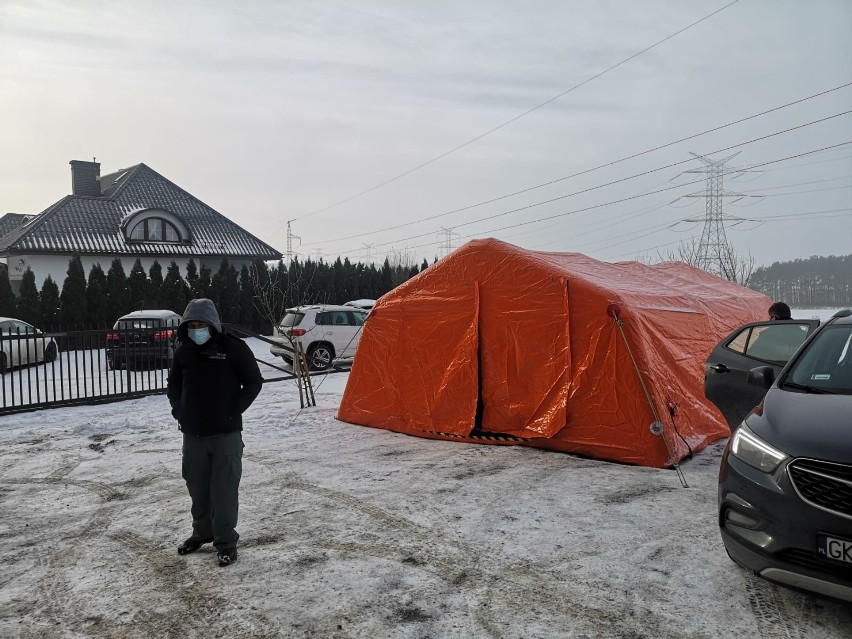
{"x":212,"y":467}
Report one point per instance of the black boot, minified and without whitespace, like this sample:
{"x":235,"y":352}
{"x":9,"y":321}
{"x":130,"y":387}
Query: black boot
{"x":192,"y":544}
{"x":227,"y":556}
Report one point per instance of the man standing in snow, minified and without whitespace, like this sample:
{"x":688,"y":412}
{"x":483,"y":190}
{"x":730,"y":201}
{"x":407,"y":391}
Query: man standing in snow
{"x":214,"y":378}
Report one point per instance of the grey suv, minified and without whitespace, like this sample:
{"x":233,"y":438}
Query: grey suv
{"x":785,"y":483}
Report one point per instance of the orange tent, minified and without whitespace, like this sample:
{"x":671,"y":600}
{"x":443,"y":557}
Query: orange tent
{"x":554,"y":350}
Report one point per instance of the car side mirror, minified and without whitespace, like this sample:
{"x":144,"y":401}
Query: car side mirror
{"x":762,"y":376}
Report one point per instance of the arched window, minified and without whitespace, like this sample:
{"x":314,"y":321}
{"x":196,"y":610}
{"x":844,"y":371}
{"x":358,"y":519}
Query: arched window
{"x":154,"y":229}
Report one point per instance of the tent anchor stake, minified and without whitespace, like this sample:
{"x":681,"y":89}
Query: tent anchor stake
{"x":303,"y":376}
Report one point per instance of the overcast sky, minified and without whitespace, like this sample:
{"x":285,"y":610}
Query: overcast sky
{"x":273,"y":111}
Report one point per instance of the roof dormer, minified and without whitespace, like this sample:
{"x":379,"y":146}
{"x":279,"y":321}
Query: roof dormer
{"x":156,"y":226}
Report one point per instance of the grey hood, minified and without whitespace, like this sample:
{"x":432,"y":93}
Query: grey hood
{"x":200,"y":310}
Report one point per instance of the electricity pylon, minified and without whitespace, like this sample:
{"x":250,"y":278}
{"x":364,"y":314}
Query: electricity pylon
{"x":713,"y":249}
{"x":290,"y":255}
{"x":447,"y":236}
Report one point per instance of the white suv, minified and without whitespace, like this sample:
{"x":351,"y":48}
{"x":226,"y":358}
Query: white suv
{"x":327,"y":333}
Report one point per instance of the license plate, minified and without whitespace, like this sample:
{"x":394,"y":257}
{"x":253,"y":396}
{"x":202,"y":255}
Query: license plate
{"x":834,"y":548}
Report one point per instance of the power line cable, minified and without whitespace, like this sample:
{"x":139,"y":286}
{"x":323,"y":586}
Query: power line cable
{"x":630,"y":177}
{"x":790,"y":186}
{"x":795,"y":166}
{"x":831,"y":188}
{"x":632,"y":197}
{"x":785,"y":216}
{"x":812,"y":213}
{"x":645,"y":232}
{"x":585,"y":171}
{"x":510,"y":121}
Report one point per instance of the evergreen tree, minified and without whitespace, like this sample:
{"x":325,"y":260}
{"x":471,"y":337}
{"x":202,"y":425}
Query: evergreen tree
{"x":225,"y":292}
{"x":230,"y":301}
{"x":49,"y":304}
{"x":73,"y":302}
{"x":175,"y":292}
{"x":217,"y":286}
{"x":99,"y":310}
{"x":202,"y":286}
{"x":137,"y":284}
{"x":117,"y":293}
{"x":192,"y":279}
{"x":386,"y":278}
{"x":339,"y":288}
{"x":424,"y":265}
{"x":155,"y":286}
{"x":28,"y":303}
{"x":248,"y":313}
{"x":8,"y":306}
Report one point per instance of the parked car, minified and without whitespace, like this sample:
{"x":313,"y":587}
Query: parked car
{"x":756,"y":344}
{"x":363,"y":304}
{"x":23,"y":343}
{"x":785,"y":482}
{"x":327,"y":333}
{"x":143,"y":339}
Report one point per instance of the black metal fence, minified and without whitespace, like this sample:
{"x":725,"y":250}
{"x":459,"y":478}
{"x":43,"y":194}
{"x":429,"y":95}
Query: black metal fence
{"x":82,"y":366}
{"x":89,"y":366}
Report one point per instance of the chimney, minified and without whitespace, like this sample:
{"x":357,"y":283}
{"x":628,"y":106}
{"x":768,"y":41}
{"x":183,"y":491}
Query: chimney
{"x":84,"y":178}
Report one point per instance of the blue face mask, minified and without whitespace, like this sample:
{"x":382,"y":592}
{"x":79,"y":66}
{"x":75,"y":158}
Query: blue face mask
{"x":199,"y":335}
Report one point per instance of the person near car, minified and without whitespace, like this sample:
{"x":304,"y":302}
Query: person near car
{"x":213,"y":380}
{"x":779,"y":311}
{"x":777,"y":344}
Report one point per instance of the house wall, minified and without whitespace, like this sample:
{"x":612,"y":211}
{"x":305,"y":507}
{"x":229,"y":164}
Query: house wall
{"x":57,"y":266}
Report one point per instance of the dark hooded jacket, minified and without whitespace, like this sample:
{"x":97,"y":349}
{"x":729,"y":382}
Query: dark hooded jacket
{"x":210,"y":386}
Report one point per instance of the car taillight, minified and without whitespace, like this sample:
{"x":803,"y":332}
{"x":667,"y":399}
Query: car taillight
{"x":112,"y":337}
{"x":161,"y":335}
{"x":296,"y":332}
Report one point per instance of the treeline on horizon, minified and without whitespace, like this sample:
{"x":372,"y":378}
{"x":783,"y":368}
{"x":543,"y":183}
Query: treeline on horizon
{"x":815,"y":282}
{"x":99,"y":299}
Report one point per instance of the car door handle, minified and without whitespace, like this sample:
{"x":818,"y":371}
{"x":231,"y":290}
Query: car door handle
{"x":720,"y":368}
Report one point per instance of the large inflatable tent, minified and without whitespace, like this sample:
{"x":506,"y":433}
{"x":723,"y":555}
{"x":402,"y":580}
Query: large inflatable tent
{"x":495,"y":343}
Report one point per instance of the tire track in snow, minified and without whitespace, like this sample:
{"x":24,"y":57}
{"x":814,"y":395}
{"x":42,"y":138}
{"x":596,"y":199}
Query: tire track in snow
{"x":779,"y":613}
{"x":196,"y":603}
{"x":466,"y":569}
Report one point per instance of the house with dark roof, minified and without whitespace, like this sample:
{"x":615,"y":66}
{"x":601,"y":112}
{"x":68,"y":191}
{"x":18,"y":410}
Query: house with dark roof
{"x":11,"y":221}
{"x":132,"y":213}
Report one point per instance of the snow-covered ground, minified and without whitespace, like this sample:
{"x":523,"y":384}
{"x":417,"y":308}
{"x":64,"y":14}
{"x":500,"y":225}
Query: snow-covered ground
{"x":356,"y":532}
{"x":821,"y":314}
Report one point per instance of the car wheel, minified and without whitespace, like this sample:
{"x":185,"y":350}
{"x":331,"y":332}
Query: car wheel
{"x":4,"y":365}
{"x":50,"y":352}
{"x":320,"y":357}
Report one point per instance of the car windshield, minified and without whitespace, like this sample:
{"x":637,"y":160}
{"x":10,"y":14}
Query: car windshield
{"x":292,"y":319}
{"x":139,"y":322}
{"x":826,"y":364}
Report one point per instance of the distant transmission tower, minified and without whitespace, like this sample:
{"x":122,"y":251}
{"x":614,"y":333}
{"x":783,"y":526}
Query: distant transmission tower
{"x":290,"y":255}
{"x":713,"y":247}
{"x":446,"y":238}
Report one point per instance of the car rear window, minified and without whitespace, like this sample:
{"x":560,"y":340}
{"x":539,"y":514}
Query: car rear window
{"x":139,"y":322}
{"x":292,"y":319}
